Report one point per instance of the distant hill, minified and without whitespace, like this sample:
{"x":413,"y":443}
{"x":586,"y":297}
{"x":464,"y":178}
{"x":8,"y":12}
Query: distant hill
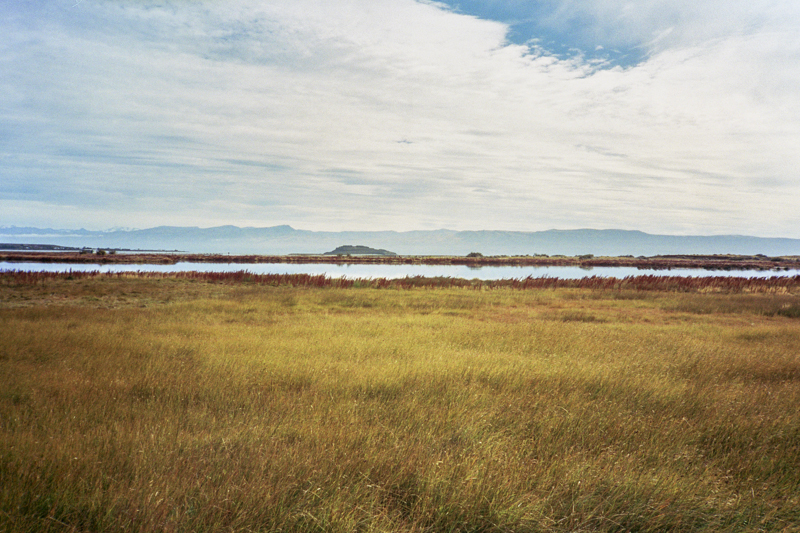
{"x":35,"y":247}
{"x":287,"y":240}
{"x":358,"y":250}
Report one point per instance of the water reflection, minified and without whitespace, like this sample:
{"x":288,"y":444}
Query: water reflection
{"x":399,"y":271}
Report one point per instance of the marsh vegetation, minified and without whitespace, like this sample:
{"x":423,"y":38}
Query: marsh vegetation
{"x":173,"y":403}
{"x":474,"y":259}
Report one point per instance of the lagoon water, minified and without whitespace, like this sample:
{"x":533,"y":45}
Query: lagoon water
{"x":397,"y":271}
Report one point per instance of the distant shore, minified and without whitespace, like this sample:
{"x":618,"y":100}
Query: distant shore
{"x":662,"y":262}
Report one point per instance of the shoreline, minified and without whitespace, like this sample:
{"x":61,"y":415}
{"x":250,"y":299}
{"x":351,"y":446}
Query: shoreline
{"x":664,"y":262}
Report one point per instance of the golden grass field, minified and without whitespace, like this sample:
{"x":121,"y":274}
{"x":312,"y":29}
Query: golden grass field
{"x":170,"y":404}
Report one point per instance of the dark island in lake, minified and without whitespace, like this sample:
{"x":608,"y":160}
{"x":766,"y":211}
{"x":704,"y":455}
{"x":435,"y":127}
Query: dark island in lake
{"x":349,"y":249}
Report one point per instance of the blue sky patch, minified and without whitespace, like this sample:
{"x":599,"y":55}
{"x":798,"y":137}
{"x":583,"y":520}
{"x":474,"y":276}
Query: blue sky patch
{"x":555,"y":31}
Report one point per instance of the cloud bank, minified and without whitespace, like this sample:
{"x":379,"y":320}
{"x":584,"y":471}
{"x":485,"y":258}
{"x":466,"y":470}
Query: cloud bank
{"x":402,"y":114}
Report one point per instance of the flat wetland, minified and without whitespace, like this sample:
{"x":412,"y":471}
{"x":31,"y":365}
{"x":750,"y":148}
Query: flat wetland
{"x":236,"y":402}
{"x":658,"y":262}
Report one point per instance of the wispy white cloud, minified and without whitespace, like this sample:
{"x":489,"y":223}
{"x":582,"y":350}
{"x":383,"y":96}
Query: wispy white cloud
{"x":379,"y":114}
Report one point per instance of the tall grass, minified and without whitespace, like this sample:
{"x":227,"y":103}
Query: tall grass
{"x":634,"y":283}
{"x":178,"y":404}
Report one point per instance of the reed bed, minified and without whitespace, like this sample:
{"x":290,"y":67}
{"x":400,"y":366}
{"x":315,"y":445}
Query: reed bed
{"x":635,"y":283}
{"x":236,"y":402}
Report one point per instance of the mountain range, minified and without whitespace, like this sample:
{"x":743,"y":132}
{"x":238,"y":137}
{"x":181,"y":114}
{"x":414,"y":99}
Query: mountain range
{"x":282,"y":240}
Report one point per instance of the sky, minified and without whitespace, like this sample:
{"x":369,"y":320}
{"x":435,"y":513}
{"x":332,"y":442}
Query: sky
{"x":666,"y":116}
